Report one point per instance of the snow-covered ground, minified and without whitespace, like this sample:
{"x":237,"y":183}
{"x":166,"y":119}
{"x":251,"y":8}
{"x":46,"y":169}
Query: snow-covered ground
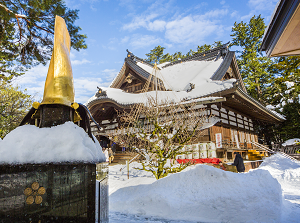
{"x":203,"y":193}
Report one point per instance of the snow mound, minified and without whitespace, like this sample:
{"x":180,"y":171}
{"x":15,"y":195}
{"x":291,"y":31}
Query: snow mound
{"x":206,"y":194}
{"x":291,"y":142}
{"x":286,"y":171}
{"x":62,"y":143}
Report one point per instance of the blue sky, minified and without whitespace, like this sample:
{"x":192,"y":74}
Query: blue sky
{"x":112,"y":26}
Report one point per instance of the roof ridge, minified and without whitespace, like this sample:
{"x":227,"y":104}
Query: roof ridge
{"x":207,"y":55}
{"x":137,"y":59}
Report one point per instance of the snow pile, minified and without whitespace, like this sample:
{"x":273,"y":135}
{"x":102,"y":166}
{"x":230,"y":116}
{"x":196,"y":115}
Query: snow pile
{"x":206,"y":194}
{"x":287,"y":172}
{"x":62,"y":143}
{"x":291,"y":142}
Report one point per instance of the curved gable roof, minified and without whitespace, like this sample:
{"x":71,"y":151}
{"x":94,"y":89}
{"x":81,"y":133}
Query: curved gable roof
{"x":180,"y":75}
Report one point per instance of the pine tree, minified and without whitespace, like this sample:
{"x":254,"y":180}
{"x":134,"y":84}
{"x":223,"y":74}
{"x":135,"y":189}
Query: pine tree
{"x":284,"y":95}
{"x":252,"y":64}
{"x":285,"y":85}
{"x":156,"y":54}
{"x":26,"y":33}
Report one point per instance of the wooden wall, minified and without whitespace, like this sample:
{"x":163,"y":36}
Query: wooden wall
{"x":229,"y":134}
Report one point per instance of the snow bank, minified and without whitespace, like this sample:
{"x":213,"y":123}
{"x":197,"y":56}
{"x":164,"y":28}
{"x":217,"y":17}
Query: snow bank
{"x":206,"y":194}
{"x":291,"y":142}
{"x":287,"y":172}
{"x":62,"y":143}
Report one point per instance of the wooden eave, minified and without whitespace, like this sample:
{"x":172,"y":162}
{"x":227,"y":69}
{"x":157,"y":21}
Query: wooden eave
{"x":282,"y":35}
{"x":131,"y":67}
{"x":106,"y":108}
{"x":117,"y":82}
{"x":239,"y":100}
{"x":229,"y":60}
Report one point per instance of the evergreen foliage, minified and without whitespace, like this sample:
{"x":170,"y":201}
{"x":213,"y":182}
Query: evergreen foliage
{"x":285,"y":85}
{"x":284,"y":96}
{"x":290,"y":128}
{"x":26,"y":33}
{"x":273,"y":81}
{"x":13,"y":107}
{"x":253,"y":65}
{"x":157,"y":54}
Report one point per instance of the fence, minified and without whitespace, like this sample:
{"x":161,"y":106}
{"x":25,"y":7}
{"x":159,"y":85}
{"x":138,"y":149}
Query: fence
{"x":293,"y":150}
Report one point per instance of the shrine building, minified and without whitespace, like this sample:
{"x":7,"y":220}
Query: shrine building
{"x":211,"y":78}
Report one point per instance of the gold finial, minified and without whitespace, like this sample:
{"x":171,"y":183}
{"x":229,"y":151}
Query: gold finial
{"x":59,"y":88}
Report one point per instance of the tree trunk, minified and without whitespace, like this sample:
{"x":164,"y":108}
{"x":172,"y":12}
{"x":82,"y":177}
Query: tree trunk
{"x":259,"y":92}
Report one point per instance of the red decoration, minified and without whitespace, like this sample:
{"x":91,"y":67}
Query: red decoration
{"x":204,"y":160}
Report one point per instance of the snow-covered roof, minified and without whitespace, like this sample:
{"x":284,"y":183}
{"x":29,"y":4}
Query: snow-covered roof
{"x":202,"y":75}
{"x":201,"y":90}
{"x":179,"y":76}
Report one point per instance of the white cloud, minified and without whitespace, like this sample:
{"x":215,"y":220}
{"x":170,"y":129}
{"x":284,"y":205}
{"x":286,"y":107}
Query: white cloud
{"x":143,"y":41}
{"x":263,"y":7}
{"x":234,"y":14}
{"x":125,"y":39}
{"x":214,"y":13}
{"x":87,"y":83}
{"x":262,"y":4}
{"x":157,"y":25}
{"x":139,"y":21}
{"x":187,"y":29}
{"x":109,"y":74}
{"x":190,"y":29}
{"x":79,"y":62}
{"x":33,"y":80}
{"x":247,"y":17}
{"x":85,"y":87}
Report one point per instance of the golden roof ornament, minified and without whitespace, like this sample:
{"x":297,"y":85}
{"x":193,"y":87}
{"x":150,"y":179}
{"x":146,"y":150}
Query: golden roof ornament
{"x":59,"y":88}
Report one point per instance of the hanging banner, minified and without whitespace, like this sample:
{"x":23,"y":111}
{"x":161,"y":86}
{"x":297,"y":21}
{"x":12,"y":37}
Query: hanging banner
{"x":219,"y":140}
{"x":237,"y":141}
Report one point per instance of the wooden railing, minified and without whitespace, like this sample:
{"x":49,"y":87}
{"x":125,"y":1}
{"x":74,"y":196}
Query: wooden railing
{"x":293,"y":150}
{"x":283,"y":153}
{"x":227,"y":144}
